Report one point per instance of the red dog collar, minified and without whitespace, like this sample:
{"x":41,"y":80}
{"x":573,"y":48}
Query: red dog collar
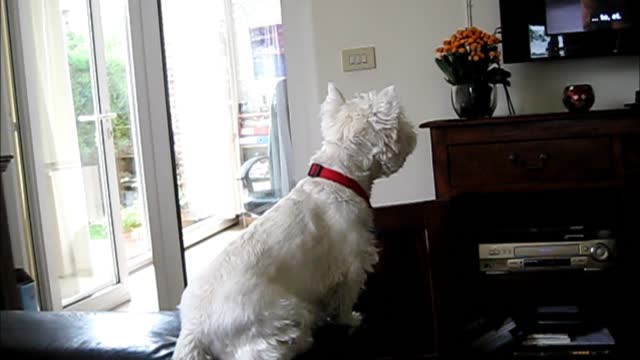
{"x":320,"y":171}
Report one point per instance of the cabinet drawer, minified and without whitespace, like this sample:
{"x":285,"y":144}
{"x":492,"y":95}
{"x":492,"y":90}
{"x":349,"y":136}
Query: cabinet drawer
{"x":522,"y":162}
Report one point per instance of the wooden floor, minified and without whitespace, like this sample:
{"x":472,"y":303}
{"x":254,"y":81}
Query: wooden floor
{"x":142,"y":283}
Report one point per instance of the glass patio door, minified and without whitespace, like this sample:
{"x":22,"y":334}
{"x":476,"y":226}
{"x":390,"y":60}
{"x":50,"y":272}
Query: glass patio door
{"x":84,"y":157}
{"x":201,"y":97}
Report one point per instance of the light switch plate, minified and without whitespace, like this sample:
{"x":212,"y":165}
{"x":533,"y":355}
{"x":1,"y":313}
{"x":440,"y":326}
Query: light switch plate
{"x":358,"y":59}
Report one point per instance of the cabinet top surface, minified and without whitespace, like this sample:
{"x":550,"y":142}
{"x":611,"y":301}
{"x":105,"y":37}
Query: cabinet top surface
{"x":595,"y":114}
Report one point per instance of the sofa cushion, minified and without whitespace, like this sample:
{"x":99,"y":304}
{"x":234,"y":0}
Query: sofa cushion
{"x":88,"y":335}
{"x":122,"y":335}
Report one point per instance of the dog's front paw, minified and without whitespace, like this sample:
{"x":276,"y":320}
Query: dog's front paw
{"x":353,"y":320}
{"x":356,"y":319}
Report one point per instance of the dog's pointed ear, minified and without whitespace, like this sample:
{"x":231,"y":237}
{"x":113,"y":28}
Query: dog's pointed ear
{"x":334,"y":99}
{"x":388,"y":93}
{"x":333,"y":94}
{"x":387,"y":108}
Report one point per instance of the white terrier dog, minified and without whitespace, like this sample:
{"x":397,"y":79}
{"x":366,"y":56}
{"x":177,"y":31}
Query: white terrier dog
{"x":305,"y":260}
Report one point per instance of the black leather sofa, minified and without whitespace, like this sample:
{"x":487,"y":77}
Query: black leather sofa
{"x":120,"y":335}
{"x":87,"y":335}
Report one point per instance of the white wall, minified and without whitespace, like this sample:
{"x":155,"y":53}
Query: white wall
{"x":405,"y":34}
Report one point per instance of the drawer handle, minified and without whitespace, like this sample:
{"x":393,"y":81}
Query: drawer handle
{"x":542,"y":161}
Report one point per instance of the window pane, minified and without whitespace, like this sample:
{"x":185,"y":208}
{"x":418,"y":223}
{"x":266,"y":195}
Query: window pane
{"x":201,"y":92}
{"x":132,"y":210}
{"x":263,"y":118}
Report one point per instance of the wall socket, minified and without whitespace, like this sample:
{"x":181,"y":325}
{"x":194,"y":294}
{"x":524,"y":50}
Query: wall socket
{"x":358,"y":59}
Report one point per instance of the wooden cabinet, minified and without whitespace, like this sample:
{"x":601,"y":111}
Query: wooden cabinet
{"x":398,"y":303}
{"x":505,"y":170}
{"x":514,"y":171}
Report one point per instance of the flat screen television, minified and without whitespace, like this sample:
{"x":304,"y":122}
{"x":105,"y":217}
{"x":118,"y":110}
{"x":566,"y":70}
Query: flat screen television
{"x":539,"y":30}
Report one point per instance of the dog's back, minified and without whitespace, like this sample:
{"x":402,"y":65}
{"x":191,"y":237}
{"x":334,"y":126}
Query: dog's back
{"x":265,"y":290}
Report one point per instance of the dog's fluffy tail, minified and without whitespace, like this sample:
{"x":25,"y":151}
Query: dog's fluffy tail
{"x":188,"y":347}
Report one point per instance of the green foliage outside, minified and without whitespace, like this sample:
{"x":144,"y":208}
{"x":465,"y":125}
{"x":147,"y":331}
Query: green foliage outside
{"x":97,"y":231}
{"x":131,"y":218}
{"x":80,"y":72}
{"x":81,"y":85}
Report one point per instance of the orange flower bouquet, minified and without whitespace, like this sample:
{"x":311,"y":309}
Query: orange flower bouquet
{"x":470,"y":61}
{"x":471,"y":55}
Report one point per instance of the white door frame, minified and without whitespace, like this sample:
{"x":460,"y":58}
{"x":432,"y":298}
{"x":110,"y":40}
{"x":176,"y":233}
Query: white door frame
{"x":112,"y":296}
{"x":48,"y":284}
{"x":157,"y":154}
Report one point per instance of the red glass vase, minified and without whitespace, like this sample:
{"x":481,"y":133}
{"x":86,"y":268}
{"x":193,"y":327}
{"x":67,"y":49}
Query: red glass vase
{"x":578,"y":97}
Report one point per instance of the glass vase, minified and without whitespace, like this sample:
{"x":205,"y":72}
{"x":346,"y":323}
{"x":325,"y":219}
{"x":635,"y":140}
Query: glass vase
{"x":474,"y":100}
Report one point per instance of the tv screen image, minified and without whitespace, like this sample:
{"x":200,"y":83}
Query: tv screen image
{"x":541,"y":45}
{"x":540,"y":30}
{"x":571,"y":16}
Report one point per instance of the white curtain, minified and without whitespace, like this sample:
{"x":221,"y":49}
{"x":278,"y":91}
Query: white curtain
{"x":202,"y":103}
{"x":280,"y":148}
{"x":52,"y":122}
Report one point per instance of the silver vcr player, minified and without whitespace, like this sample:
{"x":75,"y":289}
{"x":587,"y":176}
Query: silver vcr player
{"x":588,"y":255}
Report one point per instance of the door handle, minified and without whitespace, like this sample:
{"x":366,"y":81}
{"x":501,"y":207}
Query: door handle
{"x":542,"y":161}
{"x":97,"y":117}
{"x":107,"y":116}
